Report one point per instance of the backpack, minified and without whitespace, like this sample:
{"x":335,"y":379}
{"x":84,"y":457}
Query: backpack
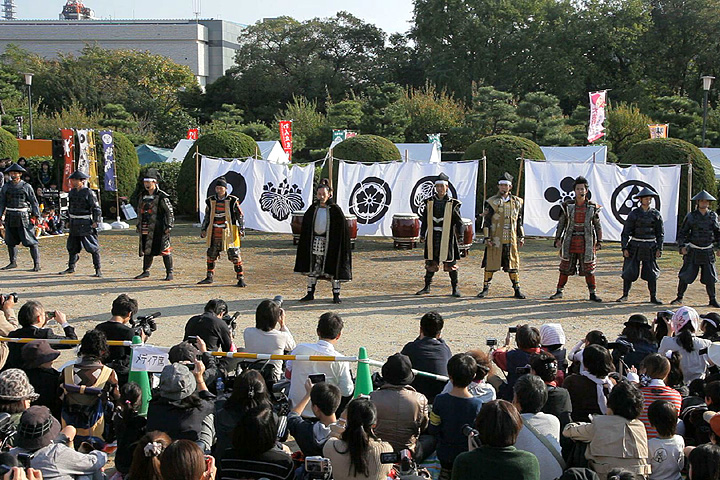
{"x":85,"y":408}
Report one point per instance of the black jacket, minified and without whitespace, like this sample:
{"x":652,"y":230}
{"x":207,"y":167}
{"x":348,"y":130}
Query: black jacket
{"x":338,"y":257}
{"x":212,"y":329}
{"x":14,"y":359}
{"x":46,"y":382}
{"x":430,"y":355}
{"x":178,"y":420}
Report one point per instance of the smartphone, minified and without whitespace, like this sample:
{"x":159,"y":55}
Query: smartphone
{"x":50,"y":315}
{"x":192,"y":339}
{"x":512,"y":329}
{"x":316,"y":377}
{"x":24,"y":459}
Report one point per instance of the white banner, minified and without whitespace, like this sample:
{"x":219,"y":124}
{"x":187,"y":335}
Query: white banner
{"x":268,"y":192}
{"x":375,"y":192}
{"x":83,"y":164}
{"x":547,"y":185}
{"x":597,"y":115}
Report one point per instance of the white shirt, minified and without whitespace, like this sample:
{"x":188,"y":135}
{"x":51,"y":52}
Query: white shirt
{"x":666,"y":457}
{"x":337,"y":373}
{"x":693,"y":364}
{"x":482,"y":390}
{"x":274,"y":342}
{"x":321,"y":219}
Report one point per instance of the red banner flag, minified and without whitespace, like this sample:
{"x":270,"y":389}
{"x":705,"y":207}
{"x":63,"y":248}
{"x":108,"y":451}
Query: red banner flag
{"x":68,"y":141}
{"x":192,"y":134}
{"x":286,"y":137}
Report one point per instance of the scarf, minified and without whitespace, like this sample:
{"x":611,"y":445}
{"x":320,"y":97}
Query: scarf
{"x":599,"y":384}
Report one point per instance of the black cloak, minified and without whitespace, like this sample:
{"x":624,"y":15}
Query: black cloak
{"x":338,"y":259}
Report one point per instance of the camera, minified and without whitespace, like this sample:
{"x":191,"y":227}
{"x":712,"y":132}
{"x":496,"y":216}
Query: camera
{"x":145,"y":325}
{"x":316,"y":378}
{"x":231,"y":321}
{"x":24,"y":459}
{"x":491,"y":342}
{"x":318,"y":468}
{"x":405,"y":466}
{"x":278,"y":299}
{"x":523,"y":370}
{"x":5,"y":296}
{"x":512,"y":330}
{"x":623,"y":347}
{"x":469,"y":431}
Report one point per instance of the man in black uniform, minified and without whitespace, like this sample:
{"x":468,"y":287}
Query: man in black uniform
{"x":18,"y":203}
{"x":84,"y":212}
{"x":155,"y":220}
{"x":439,"y":225}
{"x":642,"y":243}
{"x":700,"y":232}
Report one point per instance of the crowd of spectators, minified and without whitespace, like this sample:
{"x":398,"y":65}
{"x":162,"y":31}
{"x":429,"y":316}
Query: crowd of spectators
{"x":644,"y":406}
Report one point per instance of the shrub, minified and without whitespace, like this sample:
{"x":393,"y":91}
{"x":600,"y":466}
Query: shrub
{"x":219,"y":144}
{"x":502,"y":152}
{"x":660,"y":151}
{"x":8,"y":145}
{"x":363,"y":148}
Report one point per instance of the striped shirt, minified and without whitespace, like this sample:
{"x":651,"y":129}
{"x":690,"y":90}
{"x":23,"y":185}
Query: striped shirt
{"x":657,"y":390}
{"x":273,"y":465}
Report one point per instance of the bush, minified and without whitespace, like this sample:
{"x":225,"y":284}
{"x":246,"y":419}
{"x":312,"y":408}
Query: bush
{"x":363,"y":148}
{"x":502,"y":152}
{"x":8,"y":145}
{"x":660,"y":151}
{"x":219,"y":144}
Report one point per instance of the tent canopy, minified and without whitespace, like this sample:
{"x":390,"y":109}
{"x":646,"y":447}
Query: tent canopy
{"x":180,"y":150}
{"x":576,"y":154}
{"x":713,"y":154}
{"x":419,"y":152}
{"x":149,"y":154}
{"x":273,"y":152}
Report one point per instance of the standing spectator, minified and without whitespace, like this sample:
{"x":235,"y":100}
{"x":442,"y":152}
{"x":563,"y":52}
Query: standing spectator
{"x":146,"y":456}
{"x":311,"y":435}
{"x":683,"y":327}
{"x":129,"y":425}
{"x":16,"y":393}
{"x":117,"y":328}
{"x":589,"y":389}
{"x":665,"y":449}
{"x":184,"y":460}
{"x":429,"y":353}
{"x":453,"y":410}
{"x":478,"y":387}
{"x":530,"y":396}
{"x":638,"y":332}
{"x":354,"y":451}
{"x":509,"y":361}
{"x":38,"y":357}
{"x":210,"y":326}
{"x":269,"y":335}
{"x":617,"y":439}
{"x":498,"y":425}
{"x":32,"y":318}
{"x":657,"y":368}
{"x":402,"y":412}
{"x":329,"y":329}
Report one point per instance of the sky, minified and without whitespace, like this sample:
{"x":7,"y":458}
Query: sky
{"x":390,"y":15}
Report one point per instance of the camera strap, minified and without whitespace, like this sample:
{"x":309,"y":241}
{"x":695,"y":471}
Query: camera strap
{"x":547,"y":444}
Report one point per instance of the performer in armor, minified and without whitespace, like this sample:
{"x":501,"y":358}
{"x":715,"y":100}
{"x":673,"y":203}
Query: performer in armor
{"x":18,"y":203}
{"x":578,"y":236}
{"x":324,"y":249}
{"x":155,"y":220}
{"x":439,"y":226}
{"x":504,"y":235}
{"x":700,"y":232}
{"x":642,"y":243}
{"x":84,"y":212}
{"x":224,"y":235}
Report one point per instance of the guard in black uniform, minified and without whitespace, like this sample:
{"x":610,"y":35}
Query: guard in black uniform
{"x":18,"y":203}
{"x":700,"y":232}
{"x":84,"y":212}
{"x":642,"y":243}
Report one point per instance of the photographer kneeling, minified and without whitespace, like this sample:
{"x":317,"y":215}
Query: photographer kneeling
{"x":211,"y":327}
{"x":516,"y":362}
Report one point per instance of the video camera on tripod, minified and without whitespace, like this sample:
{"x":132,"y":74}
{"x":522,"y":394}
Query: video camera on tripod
{"x":145,"y":324}
{"x":404,"y":465}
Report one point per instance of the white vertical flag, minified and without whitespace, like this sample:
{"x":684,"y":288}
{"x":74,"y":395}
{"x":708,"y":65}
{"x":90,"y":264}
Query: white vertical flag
{"x":597,"y":115}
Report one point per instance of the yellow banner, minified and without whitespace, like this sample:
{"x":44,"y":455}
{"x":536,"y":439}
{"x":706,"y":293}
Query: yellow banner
{"x":92,"y":158}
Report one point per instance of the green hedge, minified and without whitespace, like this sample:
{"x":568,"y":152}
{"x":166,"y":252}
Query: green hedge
{"x":224,"y":144}
{"x":8,"y":145}
{"x":363,"y":148}
{"x":502,"y":152}
{"x":662,"y":151}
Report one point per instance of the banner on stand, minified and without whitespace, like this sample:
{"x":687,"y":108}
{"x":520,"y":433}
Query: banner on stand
{"x":269,"y":192}
{"x":286,"y":137}
{"x":659,"y":130}
{"x":108,"y":146}
{"x":376,"y":192}
{"x":92,"y":161}
{"x":68,"y":141}
{"x":83,"y":163}
{"x":597,"y":115}
{"x":548,"y":185}
{"x":193,"y":134}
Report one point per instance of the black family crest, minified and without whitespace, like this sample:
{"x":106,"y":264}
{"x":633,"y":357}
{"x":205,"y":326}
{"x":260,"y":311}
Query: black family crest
{"x":236,"y":185}
{"x":370,"y":200}
{"x":623,"y":199}
{"x":557,"y":196}
{"x":424,"y":189}
{"x":282,"y":200}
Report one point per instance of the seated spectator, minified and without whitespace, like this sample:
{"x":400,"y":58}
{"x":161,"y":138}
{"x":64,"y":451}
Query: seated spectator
{"x":589,"y":389}
{"x":498,"y":425}
{"x":544,"y":365}
{"x":617,"y":439}
{"x":89,"y":389}
{"x":402,"y":413}
{"x":638,"y":332}
{"x":210,"y":326}
{"x":184,"y":460}
{"x":249,"y":391}
{"x":453,"y":410}
{"x":530,"y":396}
{"x":8,"y":323}
{"x":593,"y":337}
{"x":182,"y":406}
{"x":255,"y":453}
{"x":683,"y":326}
{"x":146,"y":456}
{"x":675,"y":378}
{"x":39,"y":434}
{"x":479,"y":387}
{"x":665,"y":448}
{"x":38,"y":357}
{"x":657,"y":367}
{"x":129,"y":425}
{"x":311,"y":435}
{"x":710,"y":326}
{"x":32,"y":319}
{"x":354,"y":451}
{"x":269,"y":335}
{"x":552,"y":339}
{"x":509,"y":361}
{"x":329,"y":329}
{"x":16,"y":394}
{"x":187,"y":353}
{"x":429,"y":353}
{"x":704,"y":462}
{"x":118,"y":328}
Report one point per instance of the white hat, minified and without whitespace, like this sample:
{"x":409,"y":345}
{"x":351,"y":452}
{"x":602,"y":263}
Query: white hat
{"x":552,"y":334}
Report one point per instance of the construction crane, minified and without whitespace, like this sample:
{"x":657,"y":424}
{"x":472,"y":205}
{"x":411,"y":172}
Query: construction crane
{"x":8,"y":7}
{"x":75,"y":10}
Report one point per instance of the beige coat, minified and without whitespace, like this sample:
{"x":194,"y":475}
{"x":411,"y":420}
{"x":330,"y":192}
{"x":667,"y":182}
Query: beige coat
{"x":7,"y":325}
{"x":614,"y":442}
{"x":402,"y":415}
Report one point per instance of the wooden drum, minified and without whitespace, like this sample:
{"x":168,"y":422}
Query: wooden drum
{"x":466,"y":239}
{"x":405,"y":230}
{"x":296,"y":225}
{"x":351,"y":221}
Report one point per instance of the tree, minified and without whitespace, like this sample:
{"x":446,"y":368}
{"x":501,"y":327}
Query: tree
{"x":493,"y":112}
{"x":540,"y":119}
{"x":682,"y":114}
{"x":430,"y":110}
{"x":626,"y":126}
{"x":346,"y":114}
{"x":308,"y":124}
{"x":228,"y":116}
{"x":382,"y":113}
